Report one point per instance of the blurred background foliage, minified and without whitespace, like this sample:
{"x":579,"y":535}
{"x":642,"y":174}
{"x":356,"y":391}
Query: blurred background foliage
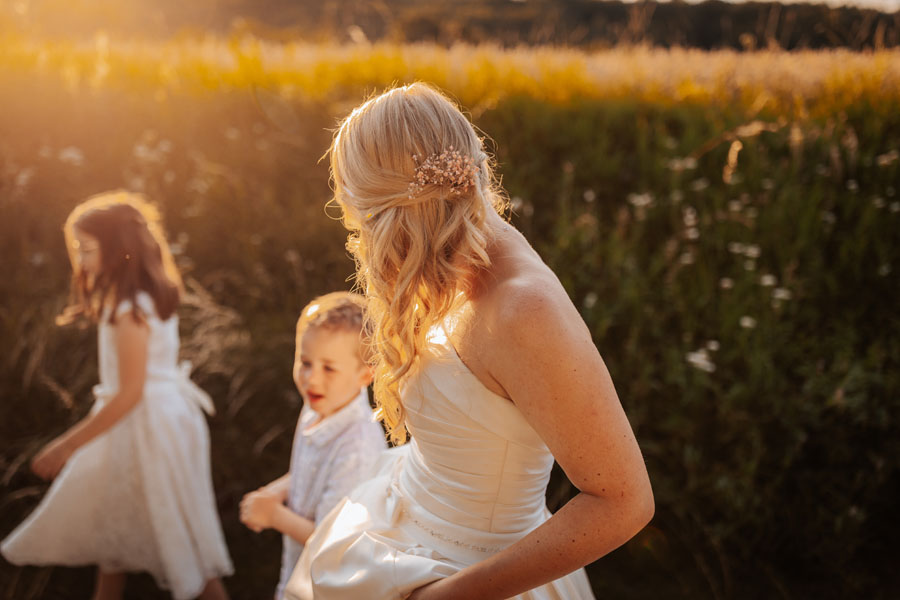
{"x":726,"y":223}
{"x":583,"y":23}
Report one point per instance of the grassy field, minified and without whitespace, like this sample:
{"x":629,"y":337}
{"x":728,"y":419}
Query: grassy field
{"x":726,"y":223}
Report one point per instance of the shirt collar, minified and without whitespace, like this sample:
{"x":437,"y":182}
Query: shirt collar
{"x":331,"y":426}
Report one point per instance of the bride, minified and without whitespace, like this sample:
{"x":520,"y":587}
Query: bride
{"x":483,"y":359}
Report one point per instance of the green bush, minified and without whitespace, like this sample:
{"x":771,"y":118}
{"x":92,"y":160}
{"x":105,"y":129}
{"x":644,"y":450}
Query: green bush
{"x":751,"y":326}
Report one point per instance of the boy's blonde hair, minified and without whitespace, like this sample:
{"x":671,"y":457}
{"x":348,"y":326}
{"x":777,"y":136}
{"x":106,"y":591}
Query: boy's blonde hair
{"x":340,"y":311}
{"x":415,"y":184}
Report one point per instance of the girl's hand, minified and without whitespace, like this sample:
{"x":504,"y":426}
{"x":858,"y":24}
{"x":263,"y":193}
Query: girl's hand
{"x":51,"y":459}
{"x":258,"y":509}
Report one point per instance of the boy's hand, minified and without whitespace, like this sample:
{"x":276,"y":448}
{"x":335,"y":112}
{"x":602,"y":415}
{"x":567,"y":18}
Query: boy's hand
{"x":258,"y":509}
{"x":278,"y":488}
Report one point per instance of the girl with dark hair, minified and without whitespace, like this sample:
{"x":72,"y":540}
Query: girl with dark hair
{"x":132,"y":489}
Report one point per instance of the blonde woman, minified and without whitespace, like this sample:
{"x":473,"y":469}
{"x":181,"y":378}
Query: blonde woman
{"x":483,"y":359}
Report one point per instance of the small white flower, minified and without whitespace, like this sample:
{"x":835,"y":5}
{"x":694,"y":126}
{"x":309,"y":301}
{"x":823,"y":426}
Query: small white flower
{"x":637,"y":200}
{"x":698,"y":185}
{"x":37,"y":259}
{"x":747,"y":322}
{"x":682,"y":164}
{"x":884,"y":160}
{"x":199,"y":185}
{"x":736,"y":247}
{"x":24,"y":176}
{"x":692,"y":233}
{"x":686,"y":258}
{"x":689,"y":216}
{"x":700,"y":360}
{"x":751,"y":251}
{"x":712,"y":345}
{"x":515,"y":203}
{"x":590,"y":299}
{"x":145,"y":153}
{"x":734,"y":205}
{"x":767,"y":280}
{"x":71,"y":156}
{"x":781,"y":293}
{"x":726,"y":283}
{"x":590,"y":196}
{"x":292,"y":256}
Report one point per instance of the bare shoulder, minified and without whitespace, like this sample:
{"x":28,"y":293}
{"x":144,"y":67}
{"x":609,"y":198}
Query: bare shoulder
{"x":531,"y":308}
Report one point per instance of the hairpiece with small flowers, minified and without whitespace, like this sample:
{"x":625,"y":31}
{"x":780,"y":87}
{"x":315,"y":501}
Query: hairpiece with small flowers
{"x":449,"y":168}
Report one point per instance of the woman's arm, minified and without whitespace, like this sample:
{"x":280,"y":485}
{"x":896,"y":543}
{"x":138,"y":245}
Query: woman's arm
{"x":131,"y":346}
{"x":542,"y":354}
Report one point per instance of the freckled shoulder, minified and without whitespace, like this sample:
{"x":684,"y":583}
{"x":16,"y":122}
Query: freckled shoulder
{"x":525,"y":305}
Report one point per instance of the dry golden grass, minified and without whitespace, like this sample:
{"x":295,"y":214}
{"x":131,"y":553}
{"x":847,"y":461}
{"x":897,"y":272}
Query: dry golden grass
{"x":792,"y":84}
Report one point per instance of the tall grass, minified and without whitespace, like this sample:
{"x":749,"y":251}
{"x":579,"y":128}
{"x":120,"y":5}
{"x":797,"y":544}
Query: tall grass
{"x":726,"y":223}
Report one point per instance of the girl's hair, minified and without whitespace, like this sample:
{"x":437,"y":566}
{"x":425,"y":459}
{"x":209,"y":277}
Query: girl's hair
{"x":415,"y":185}
{"x":337,"y":311}
{"x":134,"y":257}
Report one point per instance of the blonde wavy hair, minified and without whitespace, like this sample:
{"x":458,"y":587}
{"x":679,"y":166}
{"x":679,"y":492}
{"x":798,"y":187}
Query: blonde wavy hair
{"x":416,"y":247}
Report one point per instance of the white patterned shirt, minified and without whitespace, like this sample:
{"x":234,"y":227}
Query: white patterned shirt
{"x":328,"y":460}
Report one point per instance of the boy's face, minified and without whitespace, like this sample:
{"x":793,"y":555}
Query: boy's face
{"x":327,"y":369}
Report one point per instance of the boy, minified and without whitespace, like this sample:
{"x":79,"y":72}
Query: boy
{"x":337,"y":439}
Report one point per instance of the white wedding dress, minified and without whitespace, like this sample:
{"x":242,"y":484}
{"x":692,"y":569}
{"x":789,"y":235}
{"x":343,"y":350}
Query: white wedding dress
{"x":138,"y":497}
{"x":471,"y":482}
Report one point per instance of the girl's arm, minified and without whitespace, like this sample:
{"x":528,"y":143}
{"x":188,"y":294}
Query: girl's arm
{"x":131,"y":345}
{"x":541,"y":353}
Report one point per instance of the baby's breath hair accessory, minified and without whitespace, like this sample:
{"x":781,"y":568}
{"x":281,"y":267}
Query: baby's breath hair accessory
{"x":449,"y":168}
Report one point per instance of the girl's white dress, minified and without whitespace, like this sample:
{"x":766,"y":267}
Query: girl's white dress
{"x":471,"y":482}
{"x":138,"y":497}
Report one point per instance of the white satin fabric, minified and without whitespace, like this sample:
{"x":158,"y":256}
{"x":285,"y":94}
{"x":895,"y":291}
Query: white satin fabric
{"x":138,"y":497}
{"x":471,"y":482}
